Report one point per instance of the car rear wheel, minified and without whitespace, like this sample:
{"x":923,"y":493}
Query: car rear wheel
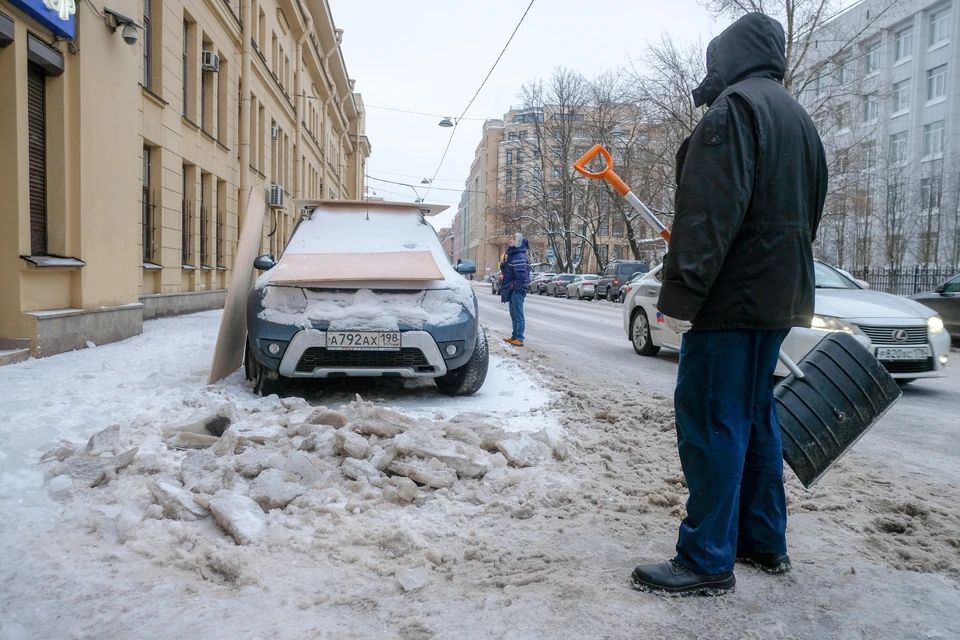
{"x":579,"y":297}
{"x":468,"y":379}
{"x":640,"y":334}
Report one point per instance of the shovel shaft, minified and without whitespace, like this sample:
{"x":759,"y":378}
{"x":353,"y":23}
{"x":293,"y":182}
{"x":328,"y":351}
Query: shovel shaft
{"x":621,"y":187}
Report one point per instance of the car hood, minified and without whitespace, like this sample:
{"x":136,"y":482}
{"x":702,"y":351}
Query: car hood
{"x":863,"y":303}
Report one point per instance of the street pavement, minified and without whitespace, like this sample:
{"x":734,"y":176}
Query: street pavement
{"x":921,"y":433}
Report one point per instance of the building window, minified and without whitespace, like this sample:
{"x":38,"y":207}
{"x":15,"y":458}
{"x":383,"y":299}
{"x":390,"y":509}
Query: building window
{"x":604,"y":252}
{"x":871,"y":58}
{"x":557,"y":152}
{"x":204,"y":220}
{"x":207,"y":98}
{"x":508,"y":194}
{"x":519,"y":156}
{"x":843,"y":73}
{"x":185,"y":70}
{"x":903,"y":45}
{"x":580,"y":134}
{"x":512,"y":135}
{"x":901,"y":96}
{"x":147,"y":208}
{"x":820,"y":121}
{"x":37,"y":154}
{"x":868,"y":154}
{"x":618,"y":252}
{"x":930,"y":193}
{"x":939,"y":26}
{"x":557,"y":133}
{"x":147,"y":46}
{"x":933,"y":139}
{"x":223,"y":92}
{"x":843,"y":116}
{"x":263,"y":28}
{"x":819,"y":84}
{"x":841,"y":161}
{"x":929,"y":243}
{"x":604,"y":227}
{"x":186,"y":222}
{"x":898,"y":148}
{"x":523,"y":134}
{"x":937,"y":82}
{"x":556,"y":173}
{"x":509,"y":175}
{"x":577,"y":253}
{"x":509,"y":157}
{"x":221,"y":223}
{"x":870,"y":107}
{"x":555,"y":192}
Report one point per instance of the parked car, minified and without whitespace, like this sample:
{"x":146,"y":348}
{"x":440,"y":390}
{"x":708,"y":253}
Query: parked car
{"x":496,"y":283}
{"x":583,"y":286}
{"x":621,"y":294}
{"x":616,"y":273}
{"x":533,"y":282}
{"x":905,"y":336}
{"x":540,"y":285}
{"x":558,"y":286}
{"x":364,"y":289}
{"x":945,"y":300}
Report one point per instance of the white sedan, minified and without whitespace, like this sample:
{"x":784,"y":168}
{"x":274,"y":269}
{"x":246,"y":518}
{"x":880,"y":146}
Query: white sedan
{"x":584,"y":286}
{"x":905,"y":336}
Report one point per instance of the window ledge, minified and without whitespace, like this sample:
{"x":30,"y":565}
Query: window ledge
{"x":54,"y":262}
{"x":221,"y":268}
{"x":903,"y":61}
{"x":154,"y":98}
{"x":206,"y":134}
{"x":934,"y":156}
{"x":190,"y":122}
{"x":897,"y":114}
{"x":870,"y":123}
{"x":939,"y":45}
{"x":223,"y":146}
{"x":935,"y":101}
{"x":150,"y":266}
{"x":188,"y":267}
{"x":205,"y":268}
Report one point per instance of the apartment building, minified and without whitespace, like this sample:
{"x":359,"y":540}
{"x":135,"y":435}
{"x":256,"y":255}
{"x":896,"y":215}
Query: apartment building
{"x":478,"y":236}
{"x":130,"y":137}
{"x":883,"y":86}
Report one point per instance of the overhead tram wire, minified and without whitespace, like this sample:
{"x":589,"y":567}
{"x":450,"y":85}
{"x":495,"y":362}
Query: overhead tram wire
{"x":416,"y":113}
{"x":489,"y":73}
{"x":404,"y":184}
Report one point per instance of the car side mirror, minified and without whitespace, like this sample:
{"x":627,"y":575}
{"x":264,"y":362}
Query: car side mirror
{"x":265,"y":262}
{"x":940,"y":290}
{"x":466,"y":267}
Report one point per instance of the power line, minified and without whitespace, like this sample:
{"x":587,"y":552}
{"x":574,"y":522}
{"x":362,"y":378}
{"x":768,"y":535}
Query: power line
{"x":416,"y":113}
{"x":407,"y":175}
{"x":469,"y":104}
{"x":414,"y":187}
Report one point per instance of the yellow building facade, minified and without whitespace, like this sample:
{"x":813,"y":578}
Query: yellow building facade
{"x":130,"y":136}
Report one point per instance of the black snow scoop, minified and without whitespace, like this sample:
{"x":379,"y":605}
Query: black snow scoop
{"x":829,"y":401}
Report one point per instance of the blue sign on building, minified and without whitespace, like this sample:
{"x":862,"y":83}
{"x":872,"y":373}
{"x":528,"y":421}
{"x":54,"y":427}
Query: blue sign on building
{"x":57,"y":15}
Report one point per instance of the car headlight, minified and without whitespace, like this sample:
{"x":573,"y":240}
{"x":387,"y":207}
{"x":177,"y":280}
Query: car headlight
{"x":829,"y":323}
{"x":934,"y":324}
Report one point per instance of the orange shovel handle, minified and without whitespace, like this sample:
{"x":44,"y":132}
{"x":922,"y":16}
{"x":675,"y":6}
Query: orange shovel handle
{"x":607,"y":174}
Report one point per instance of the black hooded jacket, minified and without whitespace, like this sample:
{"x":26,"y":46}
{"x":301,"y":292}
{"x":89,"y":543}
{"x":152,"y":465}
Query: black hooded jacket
{"x":751,"y":182}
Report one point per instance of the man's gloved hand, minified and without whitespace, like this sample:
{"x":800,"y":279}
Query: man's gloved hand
{"x":680,"y":326}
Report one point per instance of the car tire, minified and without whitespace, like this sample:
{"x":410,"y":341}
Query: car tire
{"x":905,"y":381}
{"x":265,"y":381}
{"x":640,"y":334}
{"x":467,"y":380}
{"x":579,"y":297}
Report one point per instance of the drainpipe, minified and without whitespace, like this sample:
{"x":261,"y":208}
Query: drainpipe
{"x":298,"y":90}
{"x":246,"y":36}
{"x":337,"y":40}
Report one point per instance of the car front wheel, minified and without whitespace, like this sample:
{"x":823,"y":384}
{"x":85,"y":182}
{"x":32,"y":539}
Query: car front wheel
{"x":467,"y":380}
{"x":640,"y":334}
{"x":265,"y":381}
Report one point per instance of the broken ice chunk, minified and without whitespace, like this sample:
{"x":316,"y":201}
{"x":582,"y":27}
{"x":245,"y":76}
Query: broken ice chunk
{"x":239,"y":516}
{"x":104,"y":441}
{"x":521,"y":450}
{"x":351,"y":444}
{"x":177,"y":503}
{"x":271,"y":491}
{"x":412,"y":579}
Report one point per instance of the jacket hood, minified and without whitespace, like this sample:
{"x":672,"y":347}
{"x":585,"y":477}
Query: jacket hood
{"x":752,"y":47}
{"x":523,"y":247}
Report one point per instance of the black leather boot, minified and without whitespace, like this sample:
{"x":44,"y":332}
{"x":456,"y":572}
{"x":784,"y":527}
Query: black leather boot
{"x":672,"y":579}
{"x":769,"y":562}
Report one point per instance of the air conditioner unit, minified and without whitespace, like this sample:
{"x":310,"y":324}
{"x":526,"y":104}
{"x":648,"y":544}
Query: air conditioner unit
{"x":210,"y":61}
{"x":274,"y":133}
{"x":276,"y":196}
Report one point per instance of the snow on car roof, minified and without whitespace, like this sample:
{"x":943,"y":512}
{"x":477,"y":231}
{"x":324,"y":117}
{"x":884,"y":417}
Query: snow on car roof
{"x":383,"y":205}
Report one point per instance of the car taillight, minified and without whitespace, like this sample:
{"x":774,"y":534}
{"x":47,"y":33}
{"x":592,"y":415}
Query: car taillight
{"x":616,"y":281}
{"x":629,"y":289}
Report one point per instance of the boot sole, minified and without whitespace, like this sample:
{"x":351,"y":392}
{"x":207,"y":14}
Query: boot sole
{"x":783,"y":567}
{"x":709,"y":590}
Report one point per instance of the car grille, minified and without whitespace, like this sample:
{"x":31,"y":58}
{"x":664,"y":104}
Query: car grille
{"x":909,"y":366}
{"x":405,"y":358}
{"x":884,"y":335}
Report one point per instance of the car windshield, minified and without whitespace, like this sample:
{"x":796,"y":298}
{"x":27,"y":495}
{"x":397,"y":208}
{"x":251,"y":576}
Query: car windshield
{"x":829,"y":278}
{"x":566,"y":278}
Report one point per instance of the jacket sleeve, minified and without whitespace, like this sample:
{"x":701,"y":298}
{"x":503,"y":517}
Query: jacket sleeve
{"x":713,"y":193}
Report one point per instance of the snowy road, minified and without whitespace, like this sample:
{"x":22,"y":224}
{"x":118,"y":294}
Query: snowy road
{"x":921,"y":434}
{"x":135,"y":534}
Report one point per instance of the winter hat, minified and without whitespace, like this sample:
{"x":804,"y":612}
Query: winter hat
{"x":518,"y":240}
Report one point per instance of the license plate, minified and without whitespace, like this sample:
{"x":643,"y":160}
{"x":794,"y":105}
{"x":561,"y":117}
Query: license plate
{"x":363,"y":341}
{"x":903,"y":353}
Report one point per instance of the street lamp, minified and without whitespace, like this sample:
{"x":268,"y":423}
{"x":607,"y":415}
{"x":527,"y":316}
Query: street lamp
{"x":446,"y":123}
{"x":425,"y":181}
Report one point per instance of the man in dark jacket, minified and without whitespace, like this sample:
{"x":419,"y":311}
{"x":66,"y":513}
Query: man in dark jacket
{"x":751,"y":182}
{"x":516,"y":280}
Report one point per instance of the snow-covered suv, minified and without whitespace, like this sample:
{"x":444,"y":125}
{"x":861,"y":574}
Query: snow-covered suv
{"x":365,"y":289}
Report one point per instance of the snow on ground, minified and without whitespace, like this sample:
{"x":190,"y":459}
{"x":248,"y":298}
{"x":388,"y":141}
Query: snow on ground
{"x":301,"y":521}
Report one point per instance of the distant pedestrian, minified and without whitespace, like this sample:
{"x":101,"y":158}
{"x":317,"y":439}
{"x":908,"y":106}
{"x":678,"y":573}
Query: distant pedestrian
{"x":751,"y":182}
{"x":516,"y":280}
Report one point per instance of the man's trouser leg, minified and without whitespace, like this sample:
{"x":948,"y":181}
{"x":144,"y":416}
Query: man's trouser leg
{"x":763,"y":505}
{"x":715,"y":404}
{"x":516,"y":314}
{"x":513,"y":319}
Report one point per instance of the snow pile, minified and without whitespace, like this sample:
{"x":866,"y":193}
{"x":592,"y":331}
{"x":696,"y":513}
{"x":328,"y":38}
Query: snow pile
{"x":365,"y":310}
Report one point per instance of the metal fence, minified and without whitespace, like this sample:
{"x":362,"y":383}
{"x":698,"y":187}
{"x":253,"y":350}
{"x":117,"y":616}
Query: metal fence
{"x":906,"y":281}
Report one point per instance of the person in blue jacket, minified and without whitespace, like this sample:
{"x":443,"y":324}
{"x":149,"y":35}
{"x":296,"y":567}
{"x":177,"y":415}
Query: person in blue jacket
{"x":516,"y":280}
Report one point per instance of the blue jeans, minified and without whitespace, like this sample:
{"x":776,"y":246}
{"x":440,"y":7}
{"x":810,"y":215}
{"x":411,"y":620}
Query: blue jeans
{"x":516,"y":313}
{"x":728,"y":435}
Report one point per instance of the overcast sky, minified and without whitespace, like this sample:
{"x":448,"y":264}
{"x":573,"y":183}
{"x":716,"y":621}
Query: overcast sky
{"x":431,"y":56}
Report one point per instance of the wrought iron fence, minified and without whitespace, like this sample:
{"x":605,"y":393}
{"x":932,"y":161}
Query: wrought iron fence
{"x":906,"y":281}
